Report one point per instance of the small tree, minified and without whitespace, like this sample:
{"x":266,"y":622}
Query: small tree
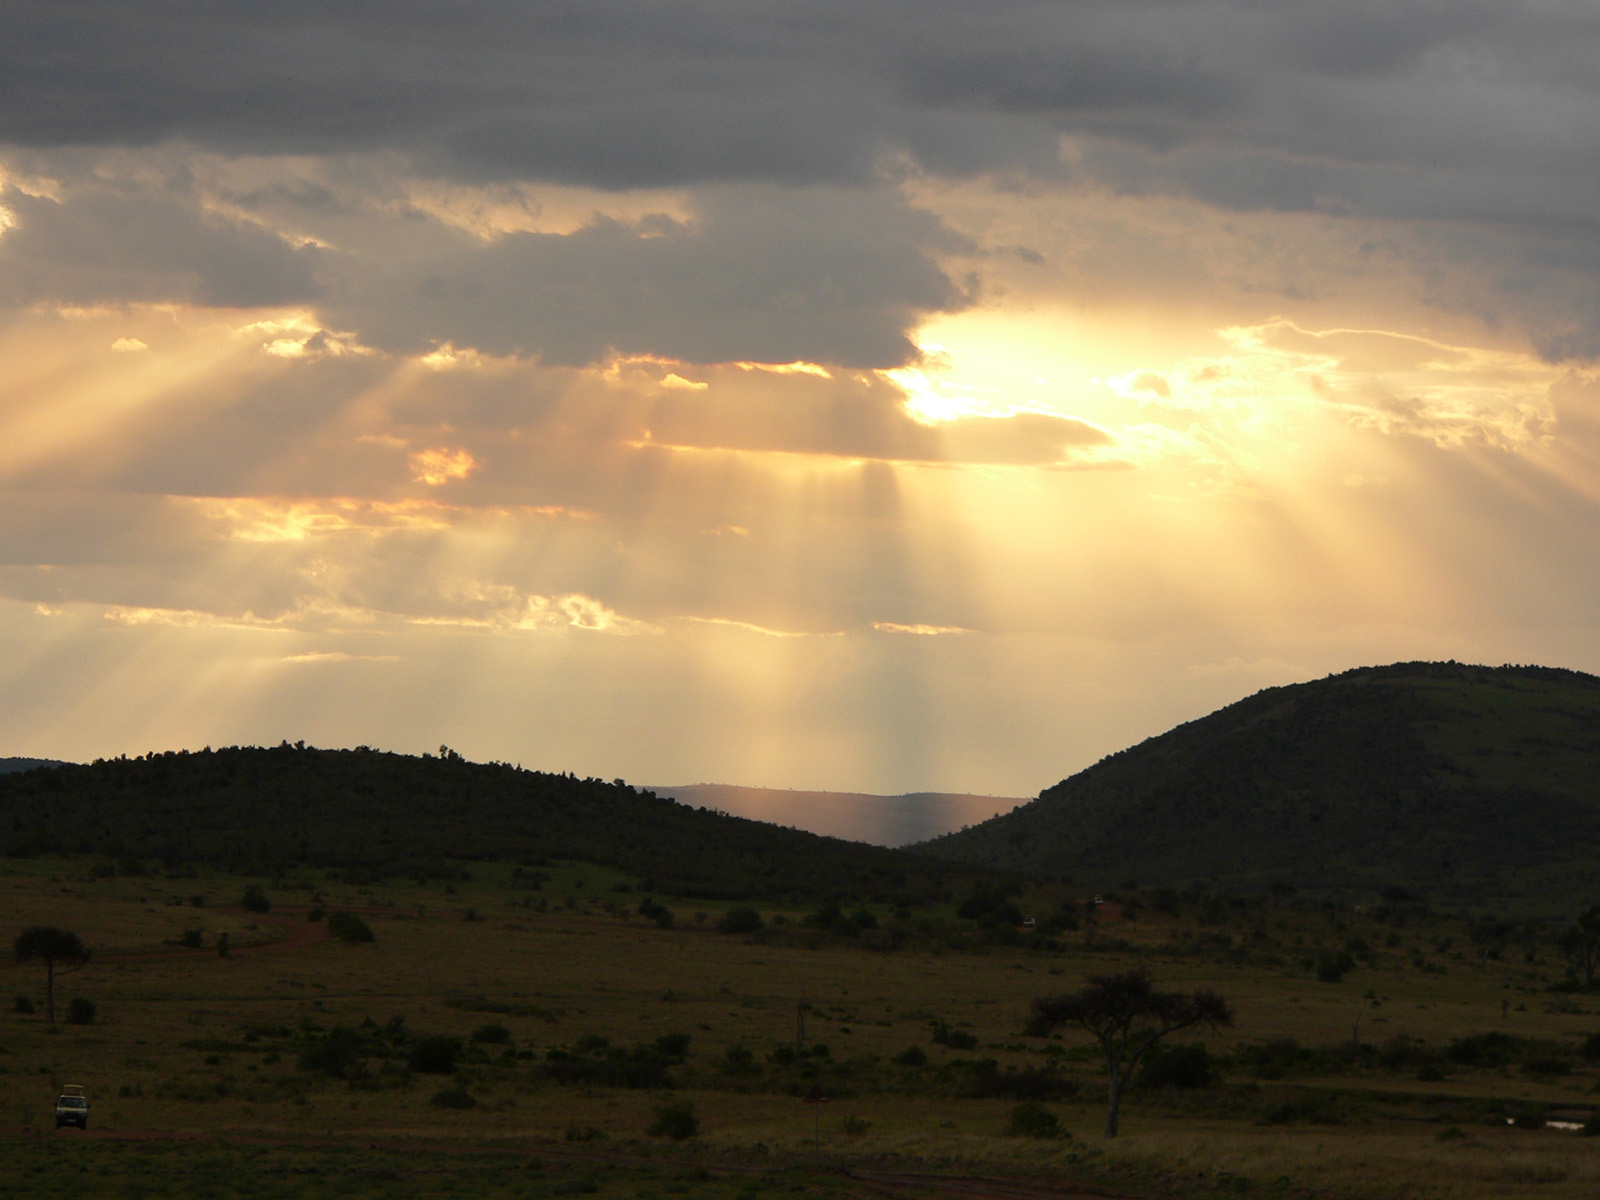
{"x":1581,"y":945}
{"x":61,"y":952}
{"x":1127,"y":1015}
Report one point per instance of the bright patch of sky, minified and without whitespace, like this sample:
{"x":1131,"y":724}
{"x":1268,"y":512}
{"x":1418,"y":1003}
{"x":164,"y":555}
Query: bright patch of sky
{"x":860,"y":398}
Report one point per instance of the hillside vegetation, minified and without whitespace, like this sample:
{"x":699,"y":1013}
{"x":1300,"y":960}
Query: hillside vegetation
{"x":1475,"y":785}
{"x":264,"y":811}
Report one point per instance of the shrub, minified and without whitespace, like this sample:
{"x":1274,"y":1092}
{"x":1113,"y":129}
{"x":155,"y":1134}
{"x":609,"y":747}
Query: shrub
{"x":455,"y":1097}
{"x":191,"y":939}
{"x":339,"y":1053}
{"x":1547,"y":1064}
{"x":854,"y":1126}
{"x":348,"y":927}
{"x":826,"y":916}
{"x":1331,"y":968}
{"x":985,"y":1079}
{"x":494,"y":1035}
{"x":742,"y":919}
{"x":255,"y":899}
{"x":1177,"y":1066}
{"x":673,"y":1046}
{"x":738,"y":1060}
{"x":22,"y":1004}
{"x":1493,"y":1049}
{"x":435,"y":1055}
{"x":675,"y":1120}
{"x":1529,"y":1116}
{"x":956,"y":1039}
{"x":1591,"y":1048}
{"x":80,"y":1011}
{"x":912,"y":1056}
{"x":1033,"y":1120}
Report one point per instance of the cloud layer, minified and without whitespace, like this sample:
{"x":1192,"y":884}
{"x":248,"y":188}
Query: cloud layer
{"x":878,"y":396}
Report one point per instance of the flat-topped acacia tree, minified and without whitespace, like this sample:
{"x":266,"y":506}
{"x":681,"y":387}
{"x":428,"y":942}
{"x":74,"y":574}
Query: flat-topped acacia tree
{"x":61,"y":952}
{"x":1127,"y":1015}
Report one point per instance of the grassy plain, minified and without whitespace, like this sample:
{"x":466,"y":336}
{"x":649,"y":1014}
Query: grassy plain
{"x":560,"y":994}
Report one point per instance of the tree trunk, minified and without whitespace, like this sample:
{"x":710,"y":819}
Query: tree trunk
{"x":1115,"y":1078}
{"x":1113,"y":1103}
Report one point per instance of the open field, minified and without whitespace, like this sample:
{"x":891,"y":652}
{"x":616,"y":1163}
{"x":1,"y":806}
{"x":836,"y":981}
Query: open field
{"x":577,"y":1024}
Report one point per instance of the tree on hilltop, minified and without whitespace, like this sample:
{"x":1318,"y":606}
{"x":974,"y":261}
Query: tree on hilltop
{"x":61,"y":952}
{"x":1127,"y":1015}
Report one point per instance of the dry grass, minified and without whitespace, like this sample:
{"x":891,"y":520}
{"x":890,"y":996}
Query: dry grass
{"x":571,"y":972}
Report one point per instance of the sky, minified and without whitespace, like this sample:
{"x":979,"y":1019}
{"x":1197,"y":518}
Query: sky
{"x":880,"y":396}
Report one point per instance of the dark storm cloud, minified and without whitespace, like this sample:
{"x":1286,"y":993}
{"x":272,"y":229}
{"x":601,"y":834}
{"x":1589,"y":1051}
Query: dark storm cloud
{"x":107,"y":244}
{"x":632,"y":94}
{"x":759,"y":275}
{"x":1431,"y":112}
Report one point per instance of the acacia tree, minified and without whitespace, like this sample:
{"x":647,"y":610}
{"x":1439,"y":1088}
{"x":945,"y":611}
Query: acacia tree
{"x":1127,"y":1015}
{"x":61,"y":952}
{"x":1581,"y":944}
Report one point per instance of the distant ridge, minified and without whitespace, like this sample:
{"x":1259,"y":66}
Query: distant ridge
{"x":7,"y":765}
{"x":266,"y":811}
{"x":855,"y":816}
{"x":1475,"y":785}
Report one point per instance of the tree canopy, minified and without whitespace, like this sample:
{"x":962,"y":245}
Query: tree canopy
{"x":60,"y":950}
{"x":1128,"y":1015}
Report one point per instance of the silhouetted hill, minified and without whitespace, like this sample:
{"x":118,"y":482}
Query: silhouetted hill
{"x":7,"y":765}
{"x":855,"y":816}
{"x":262,"y":811}
{"x":1472,"y":784}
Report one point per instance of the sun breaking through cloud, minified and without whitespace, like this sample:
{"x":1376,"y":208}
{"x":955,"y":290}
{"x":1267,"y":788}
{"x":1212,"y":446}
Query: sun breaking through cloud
{"x":921,"y":398}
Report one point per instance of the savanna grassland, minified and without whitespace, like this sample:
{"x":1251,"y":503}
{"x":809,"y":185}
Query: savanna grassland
{"x":529,"y":1032}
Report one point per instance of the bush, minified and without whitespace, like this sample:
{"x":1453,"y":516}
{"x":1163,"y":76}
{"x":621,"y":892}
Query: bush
{"x":494,"y":1035}
{"x":191,"y":939}
{"x":1493,"y":1049}
{"x":434,"y":1055}
{"x":738,"y":1060}
{"x":854,"y":1126}
{"x":22,"y":1004}
{"x":956,"y":1039}
{"x":675,"y":1120}
{"x":348,"y":927}
{"x":673,"y":1046}
{"x":1177,"y":1066}
{"x":912,"y":1056}
{"x":1033,"y":1120}
{"x":1591,"y":1048}
{"x":1529,"y":1116}
{"x":1547,"y":1064}
{"x":1331,"y":968}
{"x":255,"y":899}
{"x":80,"y":1011}
{"x":742,"y":919}
{"x":453,"y":1098}
{"x":339,"y":1053}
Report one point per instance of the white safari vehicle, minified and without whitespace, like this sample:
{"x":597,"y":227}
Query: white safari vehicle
{"x":72,"y":1107}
